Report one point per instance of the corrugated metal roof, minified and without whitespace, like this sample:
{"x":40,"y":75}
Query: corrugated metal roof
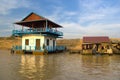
{"x":96,"y":39}
{"x":34,"y":20}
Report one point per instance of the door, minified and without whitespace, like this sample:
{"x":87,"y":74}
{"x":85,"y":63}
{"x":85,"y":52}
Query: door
{"x":53,"y":44}
{"x":37,"y":44}
{"x":27,"y":47}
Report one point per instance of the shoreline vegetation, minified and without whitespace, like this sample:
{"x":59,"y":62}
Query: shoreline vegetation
{"x":6,"y":43}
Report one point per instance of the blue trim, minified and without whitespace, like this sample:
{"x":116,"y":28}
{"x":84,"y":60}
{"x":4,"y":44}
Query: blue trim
{"x":60,"y":48}
{"x":49,"y":49}
{"x":37,"y":31}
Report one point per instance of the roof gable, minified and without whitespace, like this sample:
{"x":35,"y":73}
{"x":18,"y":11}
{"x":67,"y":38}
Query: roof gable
{"x":35,"y":21}
{"x":98,"y":39}
{"x":32,"y":17}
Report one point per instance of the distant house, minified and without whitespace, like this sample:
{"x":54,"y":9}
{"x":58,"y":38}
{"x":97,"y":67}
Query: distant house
{"x":98,"y":44}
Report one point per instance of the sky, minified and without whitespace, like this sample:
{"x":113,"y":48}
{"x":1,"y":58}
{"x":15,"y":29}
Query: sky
{"x":78,"y":17}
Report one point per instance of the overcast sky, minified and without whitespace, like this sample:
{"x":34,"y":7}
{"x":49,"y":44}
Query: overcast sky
{"x":78,"y":17}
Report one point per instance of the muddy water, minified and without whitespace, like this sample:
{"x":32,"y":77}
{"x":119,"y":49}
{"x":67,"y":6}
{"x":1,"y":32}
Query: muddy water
{"x":63,"y":66}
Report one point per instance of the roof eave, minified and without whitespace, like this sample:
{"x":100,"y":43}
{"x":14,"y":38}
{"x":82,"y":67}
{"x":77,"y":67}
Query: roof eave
{"x":21,"y":22}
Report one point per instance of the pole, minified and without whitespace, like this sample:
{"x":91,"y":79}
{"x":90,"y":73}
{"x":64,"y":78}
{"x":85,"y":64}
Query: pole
{"x":32,"y":28}
{"x":22,"y":28}
{"x":46,"y":24}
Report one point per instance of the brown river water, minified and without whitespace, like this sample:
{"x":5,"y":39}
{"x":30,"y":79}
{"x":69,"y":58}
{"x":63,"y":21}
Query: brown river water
{"x":62,"y":66}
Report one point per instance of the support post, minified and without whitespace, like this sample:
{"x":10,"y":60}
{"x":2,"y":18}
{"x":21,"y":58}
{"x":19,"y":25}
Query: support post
{"x":13,"y":33}
{"x":32,"y":28}
{"x":46,"y":25}
{"x":22,"y":28}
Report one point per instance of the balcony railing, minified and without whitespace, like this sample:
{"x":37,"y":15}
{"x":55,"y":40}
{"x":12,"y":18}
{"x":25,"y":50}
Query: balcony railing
{"x":36,"y":31}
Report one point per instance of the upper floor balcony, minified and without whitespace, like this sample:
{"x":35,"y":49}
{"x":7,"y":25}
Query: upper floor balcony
{"x":37,"y":31}
{"x":37,"y":25}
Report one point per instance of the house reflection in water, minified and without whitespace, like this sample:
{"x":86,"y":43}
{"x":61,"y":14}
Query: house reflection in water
{"x":29,"y":66}
{"x":39,"y":67}
{"x":97,"y":65}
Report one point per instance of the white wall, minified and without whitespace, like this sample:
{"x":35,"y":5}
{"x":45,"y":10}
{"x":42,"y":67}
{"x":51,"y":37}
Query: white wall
{"x":32,"y":41}
{"x":50,"y":42}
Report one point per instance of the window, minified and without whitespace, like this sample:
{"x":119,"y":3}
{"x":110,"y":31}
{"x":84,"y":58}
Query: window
{"x":47,"y":42}
{"x":26,"y":41}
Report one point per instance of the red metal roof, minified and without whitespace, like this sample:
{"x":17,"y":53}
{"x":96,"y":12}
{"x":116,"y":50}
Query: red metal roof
{"x":33,"y":16}
{"x":97,"y":39}
{"x":36,"y":21}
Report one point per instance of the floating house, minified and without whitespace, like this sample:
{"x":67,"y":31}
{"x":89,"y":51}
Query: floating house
{"x":38,"y":34}
{"x":98,"y":44}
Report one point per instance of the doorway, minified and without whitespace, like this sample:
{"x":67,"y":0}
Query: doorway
{"x":37,"y":44}
{"x":53,"y":44}
{"x":97,"y":46}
